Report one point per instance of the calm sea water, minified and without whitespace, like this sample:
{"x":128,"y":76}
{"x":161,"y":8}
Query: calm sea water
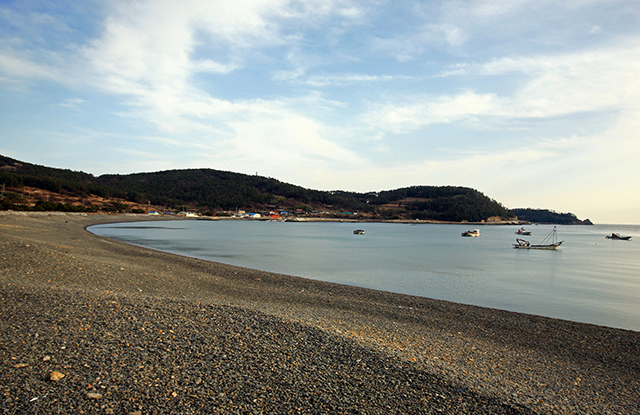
{"x":588,"y":279}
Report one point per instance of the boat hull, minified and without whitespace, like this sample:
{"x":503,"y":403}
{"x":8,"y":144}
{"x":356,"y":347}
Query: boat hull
{"x":548,"y":247}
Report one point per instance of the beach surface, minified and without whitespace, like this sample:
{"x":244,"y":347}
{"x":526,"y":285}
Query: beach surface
{"x":93,"y":325}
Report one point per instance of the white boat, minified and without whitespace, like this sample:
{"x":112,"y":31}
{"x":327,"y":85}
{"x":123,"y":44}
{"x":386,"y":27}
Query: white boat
{"x":549,"y":242}
{"x":358,"y":231}
{"x":523,"y":231}
{"x":475,"y":232}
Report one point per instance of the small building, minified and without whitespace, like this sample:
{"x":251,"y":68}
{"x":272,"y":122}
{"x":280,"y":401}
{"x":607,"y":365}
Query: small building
{"x":188,"y":214}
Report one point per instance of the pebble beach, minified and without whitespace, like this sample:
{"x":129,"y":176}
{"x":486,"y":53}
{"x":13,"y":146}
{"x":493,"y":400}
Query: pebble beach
{"x":96,"y":326}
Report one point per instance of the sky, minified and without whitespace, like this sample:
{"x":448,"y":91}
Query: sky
{"x":533,"y":103}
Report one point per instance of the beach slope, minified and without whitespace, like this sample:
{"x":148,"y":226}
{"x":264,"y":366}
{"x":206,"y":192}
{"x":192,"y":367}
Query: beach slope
{"x":98,"y":326}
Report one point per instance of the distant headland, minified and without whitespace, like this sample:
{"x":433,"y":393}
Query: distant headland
{"x":214,"y":193}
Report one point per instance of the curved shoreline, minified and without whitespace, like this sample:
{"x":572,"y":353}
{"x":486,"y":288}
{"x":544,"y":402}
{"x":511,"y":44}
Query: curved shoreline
{"x":459,"y":358}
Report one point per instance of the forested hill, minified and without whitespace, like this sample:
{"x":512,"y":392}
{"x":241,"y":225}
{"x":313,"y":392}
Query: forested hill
{"x":549,"y":216}
{"x":207,"y":190}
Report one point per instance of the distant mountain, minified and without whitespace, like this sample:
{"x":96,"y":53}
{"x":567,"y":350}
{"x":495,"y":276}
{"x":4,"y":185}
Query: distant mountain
{"x":549,"y":216}
{"x":30,"y":187}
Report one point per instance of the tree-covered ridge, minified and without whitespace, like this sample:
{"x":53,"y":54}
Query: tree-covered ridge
{"x":444,"y":203}
{"x":207,"y":190}
{"x":216,"y":189}
{"x":548,"y":216}
{"x":14,"y":173}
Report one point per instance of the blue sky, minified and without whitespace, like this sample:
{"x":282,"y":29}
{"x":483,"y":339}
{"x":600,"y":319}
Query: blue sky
{"x":534,"y":103}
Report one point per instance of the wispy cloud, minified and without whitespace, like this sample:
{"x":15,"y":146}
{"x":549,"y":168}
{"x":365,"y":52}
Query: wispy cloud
{"x":416,"y":112}
{"x":71,"y":102}
{"x":15,"y":67}
{"x":345,"y":79}
{"x":550,"y":86}
{"x":411,"y":46}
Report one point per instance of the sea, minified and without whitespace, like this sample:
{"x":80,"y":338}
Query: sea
{"x":588,"y":279}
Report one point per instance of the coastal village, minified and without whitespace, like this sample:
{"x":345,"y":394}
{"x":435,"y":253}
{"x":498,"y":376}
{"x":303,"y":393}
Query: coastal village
{"x":33,"y":198}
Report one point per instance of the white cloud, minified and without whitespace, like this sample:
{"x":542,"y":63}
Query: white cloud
{"x":149,"y":51}
{"x":71,"y":102}
{"x":453,"y":70}
{"x":345,"y":79}
{"x":605,"y":79}
{"x":213,"y":67}
{"x":595,"y":30}
{"x":286,"y":139}
{"x":153,"y":42}
{"x":16,"y":67}
{"x":489,"y":9}
{"x":552,"y":86}
{"x":424,"y":110}
{"x":407,"y":47}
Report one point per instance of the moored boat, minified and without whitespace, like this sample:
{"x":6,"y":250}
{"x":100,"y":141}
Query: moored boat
{"x":358,"y":231}
{"x":475,"y":232}
{"x":523,"y":231}
{"x":549,"y":242}
{"x":617,"y":236}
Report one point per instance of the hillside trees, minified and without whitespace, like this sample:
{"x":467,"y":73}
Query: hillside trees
{"x":213,"y":190}
{"x":546,"y":216}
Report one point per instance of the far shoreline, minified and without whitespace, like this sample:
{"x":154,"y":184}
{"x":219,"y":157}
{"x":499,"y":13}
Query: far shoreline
{"x":146,"y":216}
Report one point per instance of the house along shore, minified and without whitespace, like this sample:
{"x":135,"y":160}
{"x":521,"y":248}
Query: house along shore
{"x":95,"y":325}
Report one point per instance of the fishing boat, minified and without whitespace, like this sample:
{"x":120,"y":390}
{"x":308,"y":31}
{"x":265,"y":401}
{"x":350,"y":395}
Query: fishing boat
{"x":617,"y":236}
{"x":549,"y":242}
{"x":475,"y":232}
{"x":523,"y":231}
{"x":358,"y":231}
